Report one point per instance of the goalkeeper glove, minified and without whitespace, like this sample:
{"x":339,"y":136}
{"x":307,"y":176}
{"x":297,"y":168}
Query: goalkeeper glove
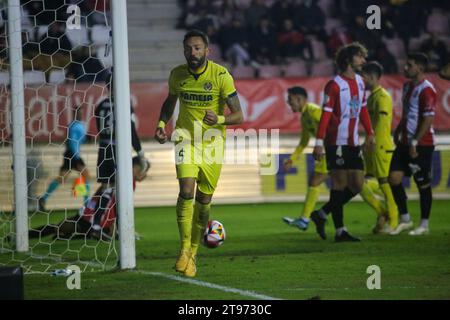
{"x":144,"y":163}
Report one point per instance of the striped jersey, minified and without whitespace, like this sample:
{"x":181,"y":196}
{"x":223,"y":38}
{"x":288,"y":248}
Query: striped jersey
{"x":418,"y":101}
{"x":344,"y":98}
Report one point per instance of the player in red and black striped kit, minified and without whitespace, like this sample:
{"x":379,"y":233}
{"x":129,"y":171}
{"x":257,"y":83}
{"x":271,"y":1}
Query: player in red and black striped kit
{"x":343,"y":107}
{"x":415,"y":142}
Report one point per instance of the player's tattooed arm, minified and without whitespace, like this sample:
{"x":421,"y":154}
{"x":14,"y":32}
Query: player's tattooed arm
{"x":236,"y":116}
{"x":168,"y":107}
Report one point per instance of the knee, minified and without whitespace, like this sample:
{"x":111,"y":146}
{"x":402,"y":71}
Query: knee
{"x":203,"y":198}
{"x":186,"y":193}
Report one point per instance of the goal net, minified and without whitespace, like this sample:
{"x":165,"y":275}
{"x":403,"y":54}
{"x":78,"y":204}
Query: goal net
{"x":67,"y":57}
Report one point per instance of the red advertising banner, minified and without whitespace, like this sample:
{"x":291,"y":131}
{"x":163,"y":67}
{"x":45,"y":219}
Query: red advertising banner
{"x":48,"y":108}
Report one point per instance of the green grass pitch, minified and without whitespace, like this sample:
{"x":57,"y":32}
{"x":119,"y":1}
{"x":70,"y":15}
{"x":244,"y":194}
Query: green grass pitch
{"x":264,"y":256}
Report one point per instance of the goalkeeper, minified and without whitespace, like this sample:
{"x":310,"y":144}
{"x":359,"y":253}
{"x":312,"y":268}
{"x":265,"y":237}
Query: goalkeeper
{"x":106,"y":159}
{"x":81,"y":224}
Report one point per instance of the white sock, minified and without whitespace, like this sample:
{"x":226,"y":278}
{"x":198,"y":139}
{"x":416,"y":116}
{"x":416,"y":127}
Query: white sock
{"x":424,"y":223}
{"x":305,"y":219}
{"x":405,"y":217}
{"x":339,"y":231}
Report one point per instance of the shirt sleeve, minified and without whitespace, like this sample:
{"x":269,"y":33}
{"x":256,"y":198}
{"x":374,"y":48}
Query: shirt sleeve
{"x":330,"y":98}
{"x":427,"y":102}
{"x":226,"y":82}
{"x":301,"y":146}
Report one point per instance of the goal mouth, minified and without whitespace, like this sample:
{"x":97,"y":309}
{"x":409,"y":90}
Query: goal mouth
{"x":62,"y":56}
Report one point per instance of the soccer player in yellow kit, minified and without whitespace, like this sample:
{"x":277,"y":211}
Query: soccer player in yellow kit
{"x":203,"y":89}
{"x":310,"y":117}
{"x":378,"y":162}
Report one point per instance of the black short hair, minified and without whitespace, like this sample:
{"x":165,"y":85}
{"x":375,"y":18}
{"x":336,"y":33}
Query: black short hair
{"x":196,"y":33}
{"x":345,"y":54}
{"x":373,"y":67}
{"x":298,"y":90}
{"x":419,"y":58}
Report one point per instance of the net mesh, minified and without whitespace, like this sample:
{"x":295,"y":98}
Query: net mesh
{"x":66,"y":61}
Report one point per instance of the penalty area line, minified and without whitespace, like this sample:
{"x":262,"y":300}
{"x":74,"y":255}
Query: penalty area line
{"x":245,"y":293}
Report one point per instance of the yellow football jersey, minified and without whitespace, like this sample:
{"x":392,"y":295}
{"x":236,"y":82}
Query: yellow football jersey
{"x":380,"y":109}
{"x":309,"y":121}
{"x":200,"y":92}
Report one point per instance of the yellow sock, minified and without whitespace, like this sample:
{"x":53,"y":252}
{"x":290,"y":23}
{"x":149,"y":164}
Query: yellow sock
{"x":375,"y":187}
{"x":310,"y":201}
{"x":371,"y":200}
{"x":199,"y":222}
{"x":391,"y":205}
{"x":184,"y":219}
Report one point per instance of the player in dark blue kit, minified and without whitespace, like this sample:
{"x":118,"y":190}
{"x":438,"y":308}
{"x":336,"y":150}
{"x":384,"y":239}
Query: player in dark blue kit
{"x":72,"y":158}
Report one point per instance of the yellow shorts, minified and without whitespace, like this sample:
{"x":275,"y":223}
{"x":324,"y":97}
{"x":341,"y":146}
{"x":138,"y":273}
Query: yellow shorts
{"x":321,"y":166}
{"x":204,"y":164}
{"x":377,"y":163}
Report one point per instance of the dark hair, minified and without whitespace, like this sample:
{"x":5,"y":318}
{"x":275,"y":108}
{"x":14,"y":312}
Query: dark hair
{"x":373,"y":67}
{"x":346,"y":53}
{"x":196,"y":33}
{"x":419,"y":58}
{"x":298,"y":91}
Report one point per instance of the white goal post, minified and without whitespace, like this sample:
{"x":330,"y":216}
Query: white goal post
{"x":124,"y":183}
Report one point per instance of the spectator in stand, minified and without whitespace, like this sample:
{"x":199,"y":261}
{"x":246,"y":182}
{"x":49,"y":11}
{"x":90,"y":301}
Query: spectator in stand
{"x":280,"y":11}
{"x":339,"y":38}
{"x":292,"y":43}
{"x":436,"y":52}
{"x":386,"y":59}
{"x":228,"y":12}
{"x":264,"y":42}
{"x":406,"y":12}
{"x":310,"y":19}
{"x":255,"y":12}
{"x":370,"y":38}
{"x":235,"y":44}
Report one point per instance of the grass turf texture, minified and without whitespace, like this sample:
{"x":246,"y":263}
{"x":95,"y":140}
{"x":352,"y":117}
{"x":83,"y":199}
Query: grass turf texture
{"x":263,"y":255}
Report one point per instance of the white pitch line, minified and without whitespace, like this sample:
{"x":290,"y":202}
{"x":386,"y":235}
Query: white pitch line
{"x":245,"y":293}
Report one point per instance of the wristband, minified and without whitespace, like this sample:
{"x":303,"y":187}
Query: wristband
{"x":319,"y":142}
{"x":161,"y":124}
{"x":141,"y":154}
{"x":220,"y":119}
{"x":414,"y":142}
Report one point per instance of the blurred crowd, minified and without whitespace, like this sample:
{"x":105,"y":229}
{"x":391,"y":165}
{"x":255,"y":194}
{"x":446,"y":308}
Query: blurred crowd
{"x":276,"y":32}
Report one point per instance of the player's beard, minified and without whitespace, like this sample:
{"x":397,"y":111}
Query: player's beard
{"x":357,"y":68}
{"x":196,"y":63}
